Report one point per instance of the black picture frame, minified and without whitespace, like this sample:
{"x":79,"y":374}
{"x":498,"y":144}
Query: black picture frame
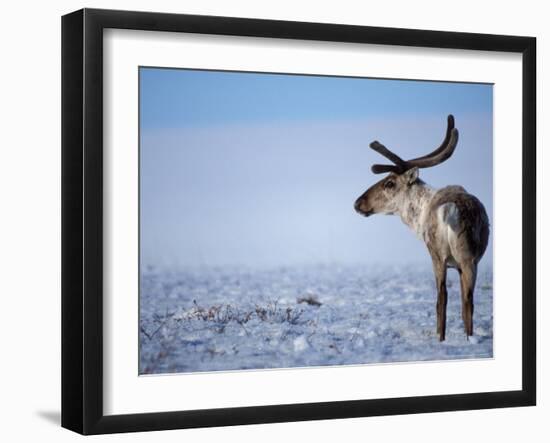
{"x":82,"y":218}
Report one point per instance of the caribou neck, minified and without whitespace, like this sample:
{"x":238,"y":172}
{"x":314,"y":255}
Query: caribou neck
{"x":413,"y":209}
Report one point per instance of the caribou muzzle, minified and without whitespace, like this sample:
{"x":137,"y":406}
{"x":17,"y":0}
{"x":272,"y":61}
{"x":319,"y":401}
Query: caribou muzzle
{"x":360,"y":209}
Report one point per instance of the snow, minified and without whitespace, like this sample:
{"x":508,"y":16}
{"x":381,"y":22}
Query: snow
{"x":231,"y":318}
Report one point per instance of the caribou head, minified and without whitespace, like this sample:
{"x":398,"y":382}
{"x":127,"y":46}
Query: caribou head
{"x":389,"y":194}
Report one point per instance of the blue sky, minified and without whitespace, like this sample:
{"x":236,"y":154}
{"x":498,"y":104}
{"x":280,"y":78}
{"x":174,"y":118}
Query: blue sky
{"x":175,"y":98}
{"x":263,"y":169}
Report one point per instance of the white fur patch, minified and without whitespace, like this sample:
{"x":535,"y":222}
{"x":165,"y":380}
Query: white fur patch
{"x":448,"y":214}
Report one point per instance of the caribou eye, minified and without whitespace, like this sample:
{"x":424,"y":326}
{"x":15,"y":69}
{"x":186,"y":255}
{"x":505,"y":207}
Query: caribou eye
{"x":389,"y":184}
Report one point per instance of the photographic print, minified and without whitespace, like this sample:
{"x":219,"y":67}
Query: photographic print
{"x":294,"y":220}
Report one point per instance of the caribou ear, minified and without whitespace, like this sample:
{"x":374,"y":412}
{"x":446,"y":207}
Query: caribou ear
{"x":411,"y":175}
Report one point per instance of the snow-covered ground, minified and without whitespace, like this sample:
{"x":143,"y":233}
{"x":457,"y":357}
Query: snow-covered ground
{"x":213,"y":319}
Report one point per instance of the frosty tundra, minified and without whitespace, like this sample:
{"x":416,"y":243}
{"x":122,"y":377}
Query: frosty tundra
{"x":452,"y":223}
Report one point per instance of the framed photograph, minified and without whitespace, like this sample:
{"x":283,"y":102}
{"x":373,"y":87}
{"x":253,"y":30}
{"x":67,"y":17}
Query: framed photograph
{"x":268,"y":221}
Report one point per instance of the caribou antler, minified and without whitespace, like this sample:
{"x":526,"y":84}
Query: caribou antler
{"x":434,"y":158}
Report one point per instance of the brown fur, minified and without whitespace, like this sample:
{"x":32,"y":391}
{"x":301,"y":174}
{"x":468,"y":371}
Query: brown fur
{"x":474,"y":223}
{"x":453,"y":224}
{"x":462,"y":251}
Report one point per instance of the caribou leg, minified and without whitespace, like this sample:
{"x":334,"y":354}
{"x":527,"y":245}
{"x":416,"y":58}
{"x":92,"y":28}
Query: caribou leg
{"x":440,"y":272}
{"x":468,"y":275}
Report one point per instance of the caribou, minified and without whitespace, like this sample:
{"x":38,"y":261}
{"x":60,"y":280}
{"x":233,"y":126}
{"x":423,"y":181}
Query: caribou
{"x":452,"y":223}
